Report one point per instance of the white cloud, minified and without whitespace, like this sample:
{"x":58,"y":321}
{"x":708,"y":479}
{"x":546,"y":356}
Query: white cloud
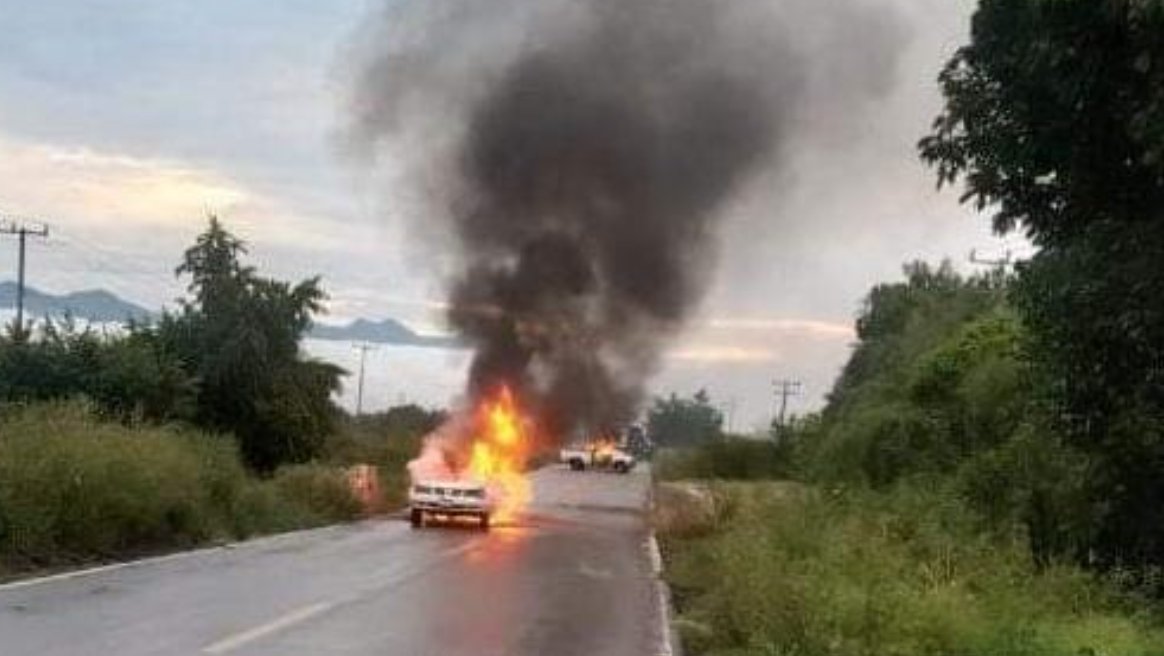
{"x":805,"y":327}
{"x":83,"y":188}
{"x":724,"y":354}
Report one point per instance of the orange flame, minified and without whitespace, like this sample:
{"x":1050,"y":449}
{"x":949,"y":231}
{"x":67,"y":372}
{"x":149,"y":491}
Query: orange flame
{"x":500,"y":447}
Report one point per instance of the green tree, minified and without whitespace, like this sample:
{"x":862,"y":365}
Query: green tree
{"x":125,"y":375}
{"x":1054,"y":120}
{"x":239,"y":334}
{"x":677,"y":421}
{"x":900,"y":320}
{"x":934,"y":379}
{"x":400,"y":421}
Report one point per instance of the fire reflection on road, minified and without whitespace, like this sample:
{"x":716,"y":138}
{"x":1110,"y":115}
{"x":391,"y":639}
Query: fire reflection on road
{"x":504,"y":545}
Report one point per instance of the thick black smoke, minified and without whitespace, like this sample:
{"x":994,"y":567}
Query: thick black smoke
{"x":593,"y":146}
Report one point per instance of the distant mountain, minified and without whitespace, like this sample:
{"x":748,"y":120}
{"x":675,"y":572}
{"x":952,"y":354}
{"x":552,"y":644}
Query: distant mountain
{"x":388,"y":331}
{"x":100,"y":306}
{"x":95,"y":305}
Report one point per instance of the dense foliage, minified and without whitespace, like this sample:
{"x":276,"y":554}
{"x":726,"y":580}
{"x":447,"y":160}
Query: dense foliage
{"x":941,"y":386}
{"x":938,"y":507}
{"x":74,"y":488}
{"x":734,"y":457}
{"x":127,"y":376}
{"x":238,"y":334}
{"x":1054,"y":119}
{"x":934,"y":377}
{"x":678,"y":421}
{"x":387,"y":440}
{"x":779,"y":568}
{"x":228,"y":360}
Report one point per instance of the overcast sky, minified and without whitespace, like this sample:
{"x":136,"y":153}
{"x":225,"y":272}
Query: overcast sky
{"x":123,"y":122}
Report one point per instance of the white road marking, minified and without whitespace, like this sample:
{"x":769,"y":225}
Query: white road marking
{"x":656,"y":556}
{"x":233,"y":642}
{"x":230,"y":643}
{"x":667,"y":637}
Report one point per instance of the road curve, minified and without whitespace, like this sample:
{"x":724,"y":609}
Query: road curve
{"x":573,"y":576}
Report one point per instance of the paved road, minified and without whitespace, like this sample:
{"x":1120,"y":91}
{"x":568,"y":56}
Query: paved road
{"x":571,"y":577}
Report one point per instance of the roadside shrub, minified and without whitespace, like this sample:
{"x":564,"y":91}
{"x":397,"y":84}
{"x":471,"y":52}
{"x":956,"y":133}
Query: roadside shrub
{"x":1037,"y":482}
{"x":733,"y":458}
{"x":689,"y":509}
{"x":389,"y":447}
{"x":259,"y":508}
{"x":72,"y":486}
{"x":320,"y":494}
{"x":901,"y":572}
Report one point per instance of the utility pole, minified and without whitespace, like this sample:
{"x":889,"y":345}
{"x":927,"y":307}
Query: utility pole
{"x":728,"y":408}
{"x":363,"y":348}
{"x":22,"y":230}
{"x":785,"y":388}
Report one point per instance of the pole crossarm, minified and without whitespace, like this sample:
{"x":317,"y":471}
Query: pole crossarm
{"x":785,"y":388}
{"x":22,"y":229}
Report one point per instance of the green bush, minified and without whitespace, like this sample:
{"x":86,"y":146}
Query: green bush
{"x":732,"y":458}
{"x":384,"y":441}
{"x":125,"y":375}
{"x":74,"y":487}
{"x":258,"y":508}
{"x":320,"y":494}
{"x":902,"y":573}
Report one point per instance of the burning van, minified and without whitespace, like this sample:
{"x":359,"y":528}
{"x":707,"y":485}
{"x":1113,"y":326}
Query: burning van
{"x":449,"y":500}
{"x":474,"y":465}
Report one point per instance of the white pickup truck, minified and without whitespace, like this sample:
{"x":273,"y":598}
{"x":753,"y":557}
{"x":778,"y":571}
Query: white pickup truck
{"x":596,"y":456}
{"x":448,"y":499}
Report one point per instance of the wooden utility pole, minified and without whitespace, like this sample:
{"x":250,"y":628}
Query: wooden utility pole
{"x":785,"y":388}
{"x":728,"y":408}
{"x":363,"y":348}
{"x":22,"y":230}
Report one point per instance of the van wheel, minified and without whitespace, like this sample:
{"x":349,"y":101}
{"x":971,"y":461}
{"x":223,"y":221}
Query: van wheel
{"x":621,"y":467}
{"x":577,"y":465}
{"x":416,"y":518}
{"x":485,"y":521}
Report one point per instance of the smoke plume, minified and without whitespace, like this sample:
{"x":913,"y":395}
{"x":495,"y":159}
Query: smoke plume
{"x":578,"y":154}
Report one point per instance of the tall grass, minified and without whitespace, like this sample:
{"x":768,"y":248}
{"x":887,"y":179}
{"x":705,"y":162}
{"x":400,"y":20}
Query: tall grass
{"x":732,"y":458}
{"x":74,"y":488}
{"x":789,"y":570}
{"x":387,"y":447}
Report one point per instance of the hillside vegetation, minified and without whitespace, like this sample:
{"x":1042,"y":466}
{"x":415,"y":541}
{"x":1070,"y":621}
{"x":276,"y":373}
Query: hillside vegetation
{"x":783,"y":569}
{"x":77,"y":488}
{"x":988,"y":474}
{"x":935,"y":510}
{"x":208,"y":424}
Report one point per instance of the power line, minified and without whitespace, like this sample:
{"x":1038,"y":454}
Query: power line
{"x":22,"y":229}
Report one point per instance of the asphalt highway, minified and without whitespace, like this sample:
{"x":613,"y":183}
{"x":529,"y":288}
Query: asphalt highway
{"x":571,"y":576}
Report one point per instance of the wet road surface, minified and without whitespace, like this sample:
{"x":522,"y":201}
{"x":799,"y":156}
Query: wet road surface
{"x":572,"y":576}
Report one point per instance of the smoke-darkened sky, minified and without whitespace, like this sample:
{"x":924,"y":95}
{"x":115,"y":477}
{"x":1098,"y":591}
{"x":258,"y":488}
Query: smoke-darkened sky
{"x":592,"y":152}
{"x":123,"y":122}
